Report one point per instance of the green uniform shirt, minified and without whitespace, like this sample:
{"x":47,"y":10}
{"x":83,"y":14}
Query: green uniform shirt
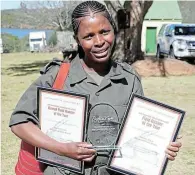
{"x":110,"y":97}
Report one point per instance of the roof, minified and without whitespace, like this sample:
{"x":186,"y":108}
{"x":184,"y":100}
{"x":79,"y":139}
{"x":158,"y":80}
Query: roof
{"x":187,"y":11}
{"x":164,"y":10}
{"x":35,"y":35}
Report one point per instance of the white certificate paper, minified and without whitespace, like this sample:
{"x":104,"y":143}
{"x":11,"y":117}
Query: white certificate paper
{"x":62,"y":117}
{"x":147,"y":130}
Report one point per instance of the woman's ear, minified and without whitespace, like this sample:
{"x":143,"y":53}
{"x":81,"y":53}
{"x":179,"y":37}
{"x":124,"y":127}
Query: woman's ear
{"x":76,"y":39}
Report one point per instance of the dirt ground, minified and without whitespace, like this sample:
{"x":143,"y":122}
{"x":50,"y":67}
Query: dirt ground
{"x":163,"y":67}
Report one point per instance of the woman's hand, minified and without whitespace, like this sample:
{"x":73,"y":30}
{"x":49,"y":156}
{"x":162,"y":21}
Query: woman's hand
{"x":78,"y":151}
{"x":173,"y":148}
{"x":31,"y":134}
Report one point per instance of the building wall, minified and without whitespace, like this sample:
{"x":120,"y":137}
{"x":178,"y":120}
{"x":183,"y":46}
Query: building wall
{"x":187,"y":9}
{"x":153,"y":23}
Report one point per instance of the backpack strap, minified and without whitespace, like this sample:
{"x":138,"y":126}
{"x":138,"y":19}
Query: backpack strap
{"x":27,"y":163}
{"x":61,"y":76}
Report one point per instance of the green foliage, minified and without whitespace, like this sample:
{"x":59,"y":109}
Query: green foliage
{"x":14,"y":44}
{"x":10,"y":43}
{"x":9,"y":18}
{"x":24,"y":43}
{"x":53,"y":39}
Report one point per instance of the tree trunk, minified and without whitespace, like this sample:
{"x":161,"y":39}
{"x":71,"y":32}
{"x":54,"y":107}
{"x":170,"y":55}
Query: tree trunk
{"x":128,"y":42}
{"x":119,"y":52}
{"x":138,"y":10}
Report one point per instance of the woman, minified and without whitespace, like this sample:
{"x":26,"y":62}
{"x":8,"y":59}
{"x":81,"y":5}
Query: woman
{"x":92,"y":72}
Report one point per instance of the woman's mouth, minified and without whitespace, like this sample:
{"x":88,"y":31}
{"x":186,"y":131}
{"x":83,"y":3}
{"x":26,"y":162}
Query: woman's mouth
{"x":101,"y":54}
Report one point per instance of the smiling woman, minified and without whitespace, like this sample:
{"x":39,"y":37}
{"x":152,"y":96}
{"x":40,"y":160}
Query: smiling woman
{"x":109,"y":85}
{"x":94,"y":31}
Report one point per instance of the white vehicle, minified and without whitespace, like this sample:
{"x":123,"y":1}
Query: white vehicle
{"x":37,"y":41}
{"x":177,"y":41}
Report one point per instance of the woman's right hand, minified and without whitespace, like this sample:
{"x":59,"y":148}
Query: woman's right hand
{"x":78,"y":151}
{"x":30,"y":133}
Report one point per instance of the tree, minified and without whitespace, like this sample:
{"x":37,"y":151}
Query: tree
{"x":52,"y":39}
{"x":24,"y":43}
{"x":10,"y":43}
{"x":119,"y":53}
{"x":129,"y":40}
{"x":56,"y":13}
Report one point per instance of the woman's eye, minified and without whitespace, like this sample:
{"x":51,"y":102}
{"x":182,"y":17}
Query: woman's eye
{"x":105,"y":32}
{"x":88,"y":37}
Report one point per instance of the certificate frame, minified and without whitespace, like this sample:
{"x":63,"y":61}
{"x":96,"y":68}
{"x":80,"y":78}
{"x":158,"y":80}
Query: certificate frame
{"x":139,"y":154}
{"x":47,"y":101}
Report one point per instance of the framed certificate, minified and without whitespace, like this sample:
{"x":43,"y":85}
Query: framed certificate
{"x":147,"y":129}
{"x":62,"y":117}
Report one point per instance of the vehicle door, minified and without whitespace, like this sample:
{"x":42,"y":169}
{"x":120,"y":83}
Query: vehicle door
{"x":160,"y":39}
{"x":168,"y":38}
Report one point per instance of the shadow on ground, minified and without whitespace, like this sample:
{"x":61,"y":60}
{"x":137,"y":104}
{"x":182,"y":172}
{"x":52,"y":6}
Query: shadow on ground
{"x":160,"y":63}
{"x":24,"y":69}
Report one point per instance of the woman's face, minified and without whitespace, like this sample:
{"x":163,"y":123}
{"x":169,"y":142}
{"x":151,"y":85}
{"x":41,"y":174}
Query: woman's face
{"x":96,"y":37}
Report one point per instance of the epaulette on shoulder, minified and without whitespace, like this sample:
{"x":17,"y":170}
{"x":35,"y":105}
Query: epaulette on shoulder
{"x":54,"y":62}
{"x":128,"y":68}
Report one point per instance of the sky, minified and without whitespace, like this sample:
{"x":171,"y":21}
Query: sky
{"x":9,"y":4}
{"x":16,"y":4}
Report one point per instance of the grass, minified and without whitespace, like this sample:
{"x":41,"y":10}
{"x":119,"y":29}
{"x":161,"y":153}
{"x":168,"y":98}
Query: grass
{"x":19,"y":70}
{"x":178,"y":92}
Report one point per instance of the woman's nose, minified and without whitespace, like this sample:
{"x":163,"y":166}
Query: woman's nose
{"x":99,"y":41}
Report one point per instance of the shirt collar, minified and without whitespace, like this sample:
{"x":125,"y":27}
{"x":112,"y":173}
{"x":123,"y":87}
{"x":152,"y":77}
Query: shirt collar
{"x":116,"y":71}
{"x":78,"y":74}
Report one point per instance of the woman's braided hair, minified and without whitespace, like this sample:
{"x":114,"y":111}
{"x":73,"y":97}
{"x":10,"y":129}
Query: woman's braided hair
{"x":86,"y":9}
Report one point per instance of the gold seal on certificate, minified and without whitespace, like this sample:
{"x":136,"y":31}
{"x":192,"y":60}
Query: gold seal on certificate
{"x":62,"y":117}
{"x":147,"y":129}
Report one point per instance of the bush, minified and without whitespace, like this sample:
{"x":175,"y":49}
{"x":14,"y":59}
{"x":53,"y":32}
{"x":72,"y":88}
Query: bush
{"x":10,"y":43}
{"x":53,"y":39}
{"x":24,"y":43}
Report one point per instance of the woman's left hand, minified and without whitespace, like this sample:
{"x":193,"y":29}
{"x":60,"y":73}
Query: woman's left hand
{"x":173,"y":148}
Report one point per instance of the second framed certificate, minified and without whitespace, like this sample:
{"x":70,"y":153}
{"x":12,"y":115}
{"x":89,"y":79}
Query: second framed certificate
{"x":62,"y":117}
{"x":148,"y":128}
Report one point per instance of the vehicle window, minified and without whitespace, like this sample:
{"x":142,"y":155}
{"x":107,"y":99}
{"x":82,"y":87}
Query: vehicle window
{"x":167,"y":30}
{"x":185,"y":30}
{"x":37,"y":39}
{"x":172,"y":28}
{"x":162,"y":30}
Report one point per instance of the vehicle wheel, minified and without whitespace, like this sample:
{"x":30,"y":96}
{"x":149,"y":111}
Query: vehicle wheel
{"x":191,"y":61}
{"x":158,"y":53}
{"x":171,"y":53}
